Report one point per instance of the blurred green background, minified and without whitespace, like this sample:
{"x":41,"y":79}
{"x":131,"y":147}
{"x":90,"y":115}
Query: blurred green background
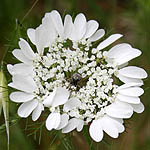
{"x":128,"y":17}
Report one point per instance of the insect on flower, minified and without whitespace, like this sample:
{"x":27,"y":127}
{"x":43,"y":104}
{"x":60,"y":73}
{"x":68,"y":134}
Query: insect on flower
{"x":76,"y":77}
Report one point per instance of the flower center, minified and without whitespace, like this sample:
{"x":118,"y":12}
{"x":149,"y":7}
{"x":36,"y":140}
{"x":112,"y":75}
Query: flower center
{"x":83,"y":70}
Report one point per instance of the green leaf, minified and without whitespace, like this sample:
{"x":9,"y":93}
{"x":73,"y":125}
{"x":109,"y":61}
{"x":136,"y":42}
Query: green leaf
{"x":1,"y":106}
{"x":4,"y":101}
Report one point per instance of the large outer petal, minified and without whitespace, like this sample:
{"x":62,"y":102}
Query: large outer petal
{"x":72,"y":124}
{"x":53,"y":121}
{"x":48,"y":101}
{"x":118,"y":123}
{"x":91,"y":28}
{"x":138,"y":108}
{"x":10,"y":68}
{"x":26,"y":49}
{"x":20,"y":97}
{"x":57,"y":21}
{"x":131,"y":84}
{"x":61,"y":96}
{"x":63,"y":121}
{"x":71,"y":103}
{"x":26,"y":108}
{"x":68,"y":26}
{"x":37,"y":112}
{"x":133,"y":72}
{"x":109,"y":41}
{"x":133,"y":53}
{"x":132,"y":91}
{"x":97,"y":35}
{"x":80,"y":26}
{"x":119,"y":110}
{"x":50,"y":29}
{"x":96,"y":131}
{"x":80,"y":125}
{"x":109,"y":127}
{"x":129,"y":80}
{"x":20,"y":68}
{"x":20,"y":56}
{"x":123,"y":53}
{"x":31,"y":35}
{"x":44,"y":34}
{"x":24,"y":83}
{"x":128,"y":99}
{"x":118,"y":50}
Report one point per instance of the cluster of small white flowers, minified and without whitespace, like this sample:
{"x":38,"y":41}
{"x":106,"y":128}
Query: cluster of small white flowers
{"x":64,"y":59}
{"x":75,"y":78}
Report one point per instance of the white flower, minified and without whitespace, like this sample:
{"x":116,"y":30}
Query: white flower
{"x":58,"y":97}
{"x":75,"y":80}
{"x":26,"y":95}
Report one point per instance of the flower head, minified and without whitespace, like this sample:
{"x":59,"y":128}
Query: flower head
{"x":75,"y":79}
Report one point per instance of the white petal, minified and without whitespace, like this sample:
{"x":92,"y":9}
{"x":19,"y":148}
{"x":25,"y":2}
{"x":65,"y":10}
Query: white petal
{"x":109,"y":41}
{"x":118,"y":124}
{"x":119,"y":50}
{"x":119,"y":110}
{"x":129,"y":80}
{"x":20,"y":56}
{"x":57,"y":21}
{"x":22,"y":69}
{"x":96,"y":131}
{"x":53,"y":121}
{"x":80,"y":26}
{"x":71,"y":103}
{"x":63,"y":122}
{"x":72,"y":124}
{"x":96,"y":36}
{"x":132,"y":91}
{"x":133,"y":72}
{"x":91,"y":28}
{"x":61,"y":96}
{"x":37,"y":112}
{"x":50,"y":30}
{"x":138,"y":108}
{"x":20,"y":97}
{"x":109,"y":127}
{"x":120,"y":120}
{"x":128,"y":99}
{"x":123,"y":53}
{"x":10,"y":69}
{"x":31,"y":35}
{"x":68,"y":26}
{"x":41,"y":38}
{"x":26,"y":108}
{"x":24,"y":83}
{"x":44,"y":34}
{"x":131,"y":54}
{"x":12,"y":85}
{"x":131,"y":84}
{"x":122,"y":65}
{"x":80,"y":125}
{"x":26,"y":49}
{"x":48,"y":101}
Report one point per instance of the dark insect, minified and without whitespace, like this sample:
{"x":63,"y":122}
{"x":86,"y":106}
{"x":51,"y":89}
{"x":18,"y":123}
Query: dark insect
{"x":76,"y":77}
